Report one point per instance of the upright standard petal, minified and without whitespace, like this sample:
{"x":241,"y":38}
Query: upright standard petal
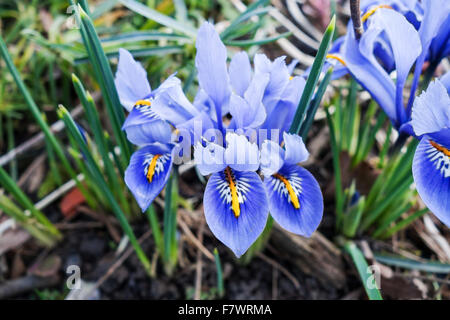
{"x":240,"y":72}
{"x":431,"y":171}
{"x":209,"y":159}
{"x":211,"y":63}
{"x":406,"y":47}
{"x":431,"y":110}
{"x":295,"y":148}
{"x":143,"y":126}
{"x":295,"y":199}
{"x":241,"y":154}
{"x":148,"y":172}
{"x":272,"y":158}
{"x":236,"y":208}
{"x":130,"y":80}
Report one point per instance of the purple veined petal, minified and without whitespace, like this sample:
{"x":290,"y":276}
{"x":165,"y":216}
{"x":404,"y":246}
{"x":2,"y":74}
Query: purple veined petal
{"x":240,"y":154}
{"x":272,"y":158}
{"x":280,"y":118}
{"x":148,"y":172}
{"x":445,"y":80}
{"x":209,"y":159}
{"x":431,"y":171}
{"x":295,"y":200}
{"x":431,"y":110}
{"x":405,"y":45}
{"x":366,"y":70}
{"x":211,"y":63}
{"x":236,"y":208}
{"x":143,"y":126}
{"x":240,"y":72}
{"x":254,"y":96}
{"x":130,"y":80}
{"x":295,"y":149}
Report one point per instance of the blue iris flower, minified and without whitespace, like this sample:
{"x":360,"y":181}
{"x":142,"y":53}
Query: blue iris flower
{"x":431,"y":164}
{"x":236,"y":200}
{"x":148,"y":127}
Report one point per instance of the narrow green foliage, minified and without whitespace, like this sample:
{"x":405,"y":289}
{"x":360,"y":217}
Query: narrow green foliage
{"x":98,"y":176}
{"x":156,"y":230}
{"x":220,"y":286}
{"x":367,"y":278}
{"x":313,"y":77}
{"x":170,"y":223}
{"x":426,"y":266}
{"x":105,"y":79}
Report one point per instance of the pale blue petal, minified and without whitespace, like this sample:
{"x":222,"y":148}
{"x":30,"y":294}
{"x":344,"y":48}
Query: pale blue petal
{"x":130,"y":80}
{"x":295,"y":149}
{"x":209,"y":159}
{"x":431,"y":110}
{"x":240,"y":154}
{"x":240,"y":72}
{"x":272,"y":158}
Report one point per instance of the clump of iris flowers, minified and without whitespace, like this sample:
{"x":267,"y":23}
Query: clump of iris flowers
{"x":251,"y":160}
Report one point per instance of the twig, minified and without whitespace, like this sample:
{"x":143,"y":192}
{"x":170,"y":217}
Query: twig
{"x":279,"y":267}
{"x":194,"y":240}
{"x":356,"y":18}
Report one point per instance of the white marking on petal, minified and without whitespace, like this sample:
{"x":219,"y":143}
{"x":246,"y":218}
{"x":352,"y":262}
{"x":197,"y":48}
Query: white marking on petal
{"x":160,"y":162}
{"x":440,"y":160}
{"x":280,"y":187}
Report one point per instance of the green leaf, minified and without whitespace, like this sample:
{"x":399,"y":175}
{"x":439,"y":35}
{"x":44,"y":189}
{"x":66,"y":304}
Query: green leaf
{"x":97,"y":174}
{"x":143,"y":36}
{"x":313,"y":77}
{"x":363,"y":270}
{"x":159,"y":17}
{"x":247,"y":43}
{"x":428,"y":266}
{"x":145,"y":52}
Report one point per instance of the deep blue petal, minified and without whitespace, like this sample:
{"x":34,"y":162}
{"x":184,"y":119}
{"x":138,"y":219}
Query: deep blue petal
{"x":237,"y":233}
{"x":304,"y":219}
{"x":156,"y":158}
{"x":143,"y":126}
{"x":431,"y":171}
{"x":130,"y":80}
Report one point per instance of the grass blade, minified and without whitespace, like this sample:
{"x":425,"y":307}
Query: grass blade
{"x":364,"y":272}
{"x":97,"y":174}
{"x":313,"y":77}
{"x":429,"y":266}
{"x":154,"y":15}
{"x":220,"y":287}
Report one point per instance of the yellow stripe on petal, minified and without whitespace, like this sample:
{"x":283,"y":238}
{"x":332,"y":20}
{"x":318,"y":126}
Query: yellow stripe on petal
{"x":440,"y":148}
{"x":143,"y":103}
{"x":335,"y":57}
{"x":372,"y":11}
{"x":234,"y":195}
{"x":151,"y":168}
{"x":292,"y":194}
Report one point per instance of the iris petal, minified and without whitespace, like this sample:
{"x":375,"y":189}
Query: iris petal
{"x":144,"y":126}
{"x":130,"y":80}
{"x":240,"y":72}
{"x":272,"y":158}
{"x":148,"y":172}
{"x":237,"y":233}
{"x":295,"y":199}
{"x":240,"y":154}
{"x":295,"y":148}
{"x":431,"y":110}
{"x":211,"y":63}
{"x":431,"y":171}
